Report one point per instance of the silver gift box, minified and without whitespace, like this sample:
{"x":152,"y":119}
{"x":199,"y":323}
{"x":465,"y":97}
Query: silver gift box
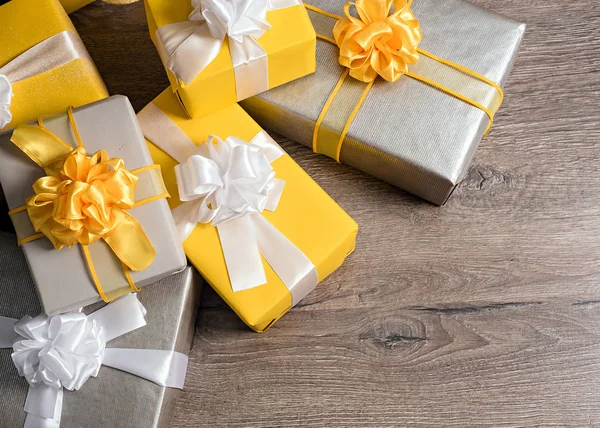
{"x":114,"y":398}
{"x":406,"y":133}
{"x":62,"y":277}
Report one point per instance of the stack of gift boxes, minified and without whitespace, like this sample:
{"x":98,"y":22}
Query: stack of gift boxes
{"x":106,"y":204}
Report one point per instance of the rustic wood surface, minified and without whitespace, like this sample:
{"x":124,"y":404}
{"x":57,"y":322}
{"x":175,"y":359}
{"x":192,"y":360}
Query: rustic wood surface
{"x":484,"y":312}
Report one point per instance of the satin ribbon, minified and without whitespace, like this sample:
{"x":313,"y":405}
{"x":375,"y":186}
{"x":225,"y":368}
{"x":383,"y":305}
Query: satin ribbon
{"x":47,"y":55}
{"x":64,"y":351}
{"x":383,"y":41}
{"x":187,"y":48}
{"x":83,"y":199}
{"x":228,"y":183}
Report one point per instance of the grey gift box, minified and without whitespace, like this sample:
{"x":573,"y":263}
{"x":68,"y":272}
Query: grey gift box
{"x":113,"y":399}
{"x":62,"y":277}
{"x":406,"y":133}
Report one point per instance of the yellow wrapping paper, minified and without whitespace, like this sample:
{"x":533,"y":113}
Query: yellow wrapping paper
{"x":306,"y":215}
{"x":290,"y":45}
{"x":27,"y":23}
{"x":73,"y":5}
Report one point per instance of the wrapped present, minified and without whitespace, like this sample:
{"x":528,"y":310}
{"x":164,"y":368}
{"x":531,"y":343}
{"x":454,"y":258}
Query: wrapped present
{"x":73,"y":5}
{"x":44,"y":66}
{"x":256,"y":226}
{"x":132,"y":383}
{"x":219,"y":52}
{"x":88,"y":205}
{"x":410,"y":107}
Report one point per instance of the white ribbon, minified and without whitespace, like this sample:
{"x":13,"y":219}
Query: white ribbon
{"x":229,"y":183}
{"x":6,"y":95}
{"x":64,"y":351}
{"x":187,"y":48}
{"x":51,"y":53}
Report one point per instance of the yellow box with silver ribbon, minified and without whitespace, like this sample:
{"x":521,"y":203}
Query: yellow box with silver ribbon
{"x":88,"y":205}
{"x":44,"y":65}
{"x":257,"y":227}
{"x":403,"y":90}
{"x":217,"y":53}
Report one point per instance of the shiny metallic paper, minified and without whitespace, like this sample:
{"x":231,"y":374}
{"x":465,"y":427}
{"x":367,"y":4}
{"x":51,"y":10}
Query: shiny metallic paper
{"x":62,"y":276}
{"x":406,"y":133}
{"x":114,"y":398}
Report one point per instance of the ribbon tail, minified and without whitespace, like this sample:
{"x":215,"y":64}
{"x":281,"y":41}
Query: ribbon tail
{"x":120,"y":317}
{"x":130,"y":243}
{"x":242,"y":256}
{"x":44,"y":407}
{"x":290,"y":264}
{"x":7,"y":332}
{"x":165,"y":368}
{"x":186,"y":218}
{"x":187,"y":48}
{"x":6,"y":95}
{"x":250,"y":66}
{"x":269,"y":146}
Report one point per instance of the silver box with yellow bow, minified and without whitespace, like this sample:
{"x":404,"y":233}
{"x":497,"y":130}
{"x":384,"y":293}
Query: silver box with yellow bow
{"x":420,"y":131}
{"x":111,"y":220}
{"x":113,"y":398}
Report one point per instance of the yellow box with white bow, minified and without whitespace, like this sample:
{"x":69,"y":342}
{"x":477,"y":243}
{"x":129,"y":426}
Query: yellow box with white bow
{"x":256,"y":226}
{"x":44,"y":65}
{"x":218,"y":53}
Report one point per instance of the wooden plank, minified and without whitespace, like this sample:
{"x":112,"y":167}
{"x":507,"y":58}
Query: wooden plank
{"x":483,"y":312}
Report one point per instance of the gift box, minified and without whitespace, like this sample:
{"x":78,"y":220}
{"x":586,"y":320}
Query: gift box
{"x":97,"y":225}
{"x":262,"y":238}
{"x":73,"y":5}
{"x":114,"y":398}
{"x":416,"y":121}
{"x":217,"y":54}
{"x":44,"y":65}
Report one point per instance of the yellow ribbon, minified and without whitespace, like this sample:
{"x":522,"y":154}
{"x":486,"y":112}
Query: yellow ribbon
{"x":83,"y":199}
{"x":383,"y":43}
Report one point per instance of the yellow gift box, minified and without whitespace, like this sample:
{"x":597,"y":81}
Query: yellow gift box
{"x":289,"y":44}
{"x":306,"y":215}
{"x":73,"y":5}
{"x":44,"y":66}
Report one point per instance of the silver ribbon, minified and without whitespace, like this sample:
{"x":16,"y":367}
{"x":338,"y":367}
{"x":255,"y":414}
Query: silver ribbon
{"x":187,"y":48}
{"x":229,"y":183}
{"x":64,"y":351}
{"x":49,"y":54}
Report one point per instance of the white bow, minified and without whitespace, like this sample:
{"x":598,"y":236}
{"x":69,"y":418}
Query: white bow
{"x":234,"y":18}
{"x":187,"y":48}
{"x":60,"y":351}
{"x":228,"y":180}
{"x":64,"y":351}
{"x":6,"y":95}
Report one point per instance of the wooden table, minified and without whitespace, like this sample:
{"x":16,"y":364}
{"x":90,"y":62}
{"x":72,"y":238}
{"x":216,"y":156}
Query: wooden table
{"x":483,"y":312}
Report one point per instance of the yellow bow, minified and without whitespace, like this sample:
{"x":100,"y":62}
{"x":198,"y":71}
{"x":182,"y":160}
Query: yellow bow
{"x":83,"y":199}
{"x":378,"y":43}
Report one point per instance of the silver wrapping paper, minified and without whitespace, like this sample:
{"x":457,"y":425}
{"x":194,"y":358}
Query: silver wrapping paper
{"x":114,"y":399}
{"x":406,"y":133}
{"x":108,"y":125}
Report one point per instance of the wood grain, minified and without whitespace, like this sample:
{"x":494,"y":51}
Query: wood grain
{"x":484,"y":312}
